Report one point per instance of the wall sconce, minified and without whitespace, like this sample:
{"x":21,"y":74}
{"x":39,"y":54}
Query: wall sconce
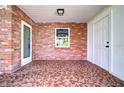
{"x":60,"y":12}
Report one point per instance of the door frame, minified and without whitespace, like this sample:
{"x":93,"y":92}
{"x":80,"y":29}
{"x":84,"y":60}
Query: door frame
{"x":29,"y":59}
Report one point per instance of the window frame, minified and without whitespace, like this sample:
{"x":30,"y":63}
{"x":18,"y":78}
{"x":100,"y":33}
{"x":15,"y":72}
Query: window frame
{"x":62,"y":37}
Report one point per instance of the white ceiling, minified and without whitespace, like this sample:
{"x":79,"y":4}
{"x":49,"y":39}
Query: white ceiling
{"x":73,"y":13}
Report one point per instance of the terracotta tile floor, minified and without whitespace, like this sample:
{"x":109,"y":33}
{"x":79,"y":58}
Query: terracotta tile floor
{"x":60,"y":74}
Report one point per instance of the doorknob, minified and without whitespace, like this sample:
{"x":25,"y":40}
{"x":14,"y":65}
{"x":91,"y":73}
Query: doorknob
{"x":107,"y":46}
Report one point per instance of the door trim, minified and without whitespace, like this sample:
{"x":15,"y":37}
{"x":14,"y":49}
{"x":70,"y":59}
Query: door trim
{"x":24,"y":62}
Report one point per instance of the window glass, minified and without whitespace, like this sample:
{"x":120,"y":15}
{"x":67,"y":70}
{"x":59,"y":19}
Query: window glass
{"x":62,"y":38}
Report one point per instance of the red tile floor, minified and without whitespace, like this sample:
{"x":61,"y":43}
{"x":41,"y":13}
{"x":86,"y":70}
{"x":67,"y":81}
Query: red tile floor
{"x":60,"y":74}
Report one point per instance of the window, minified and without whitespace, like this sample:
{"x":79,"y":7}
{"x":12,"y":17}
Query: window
{"x":62,"y":37}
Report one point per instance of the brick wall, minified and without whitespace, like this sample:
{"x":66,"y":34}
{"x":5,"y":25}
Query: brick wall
{"x":5,"y":40}
{"x":10,"y":37}
{"x":45,"y":42}
{"x":17,"y":16}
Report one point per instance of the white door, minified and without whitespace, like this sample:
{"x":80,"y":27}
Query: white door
{"x":26,"y":43}
{"x":101,"y":43}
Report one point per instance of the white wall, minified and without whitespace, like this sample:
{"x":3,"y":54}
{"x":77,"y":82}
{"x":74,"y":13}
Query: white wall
{"x":90,"y":42}
{"x":90,"y":37}
{"x":116,"y":39}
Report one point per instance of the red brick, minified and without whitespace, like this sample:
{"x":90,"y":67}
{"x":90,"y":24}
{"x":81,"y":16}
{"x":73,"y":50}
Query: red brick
{"x":42,"y":39}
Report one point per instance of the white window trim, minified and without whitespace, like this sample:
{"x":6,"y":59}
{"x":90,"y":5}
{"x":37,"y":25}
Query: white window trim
{"x":25,"y":61}
{"x":68,"y":38}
